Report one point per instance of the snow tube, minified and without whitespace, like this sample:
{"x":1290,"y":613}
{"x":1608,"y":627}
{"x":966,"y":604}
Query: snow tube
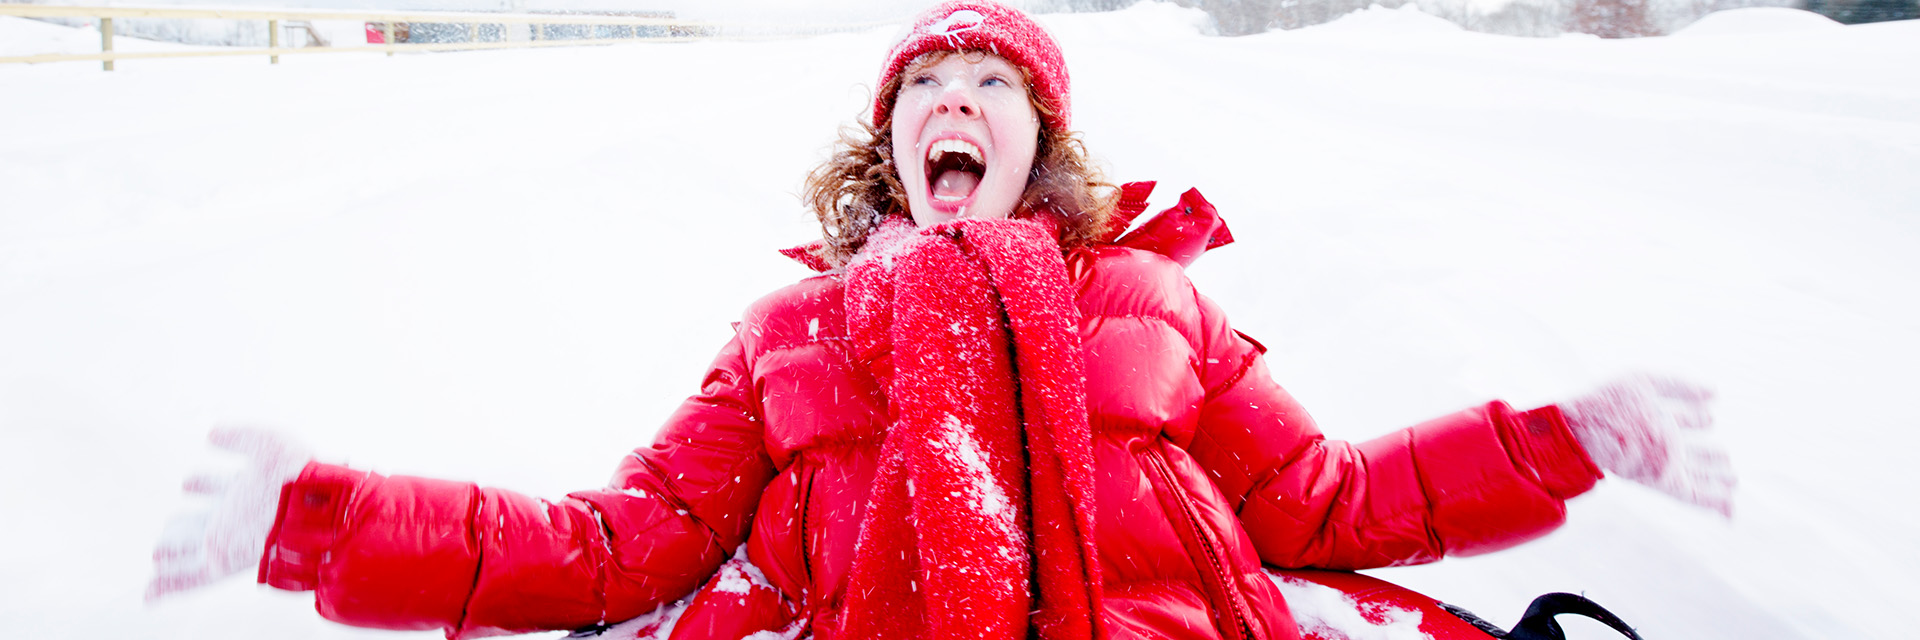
{"x":1328,"y":605}
{"x":1342,"y":605}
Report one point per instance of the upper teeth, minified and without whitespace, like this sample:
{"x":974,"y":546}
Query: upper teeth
{"x":955,"y":145}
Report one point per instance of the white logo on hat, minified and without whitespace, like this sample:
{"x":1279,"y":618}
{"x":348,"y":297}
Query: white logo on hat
{"x":956,"y":23}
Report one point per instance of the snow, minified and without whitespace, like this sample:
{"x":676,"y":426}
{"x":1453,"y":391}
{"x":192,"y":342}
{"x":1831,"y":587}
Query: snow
{"x":509,"y":266}
{"x":1379,"y":21}
{"x":887,"y":242}
{"x":983,"y":494}
{"x":1325,"y":612}
{"x":657,"y":624}
{"x":740,"y":576}
{"x":792,"y":631}
{"x":25,"y":37}
{"x":1758,"y":20}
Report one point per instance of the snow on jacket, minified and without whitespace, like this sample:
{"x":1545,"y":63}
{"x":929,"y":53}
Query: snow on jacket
{"x":1205,"y":469}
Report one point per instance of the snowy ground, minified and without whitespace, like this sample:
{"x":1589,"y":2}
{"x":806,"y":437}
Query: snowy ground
{"x":508,"y":266}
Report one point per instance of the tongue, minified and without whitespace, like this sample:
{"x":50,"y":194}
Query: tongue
{"x":954,"y":184}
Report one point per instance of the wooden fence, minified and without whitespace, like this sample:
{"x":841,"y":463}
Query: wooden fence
{"x":657,"y":30}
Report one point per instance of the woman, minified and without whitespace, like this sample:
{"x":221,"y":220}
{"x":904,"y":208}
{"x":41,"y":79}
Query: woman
{"x":991,"y":416}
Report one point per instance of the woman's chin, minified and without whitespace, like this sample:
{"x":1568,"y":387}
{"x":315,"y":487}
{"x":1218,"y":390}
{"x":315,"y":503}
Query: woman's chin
{"x":931,"y":211}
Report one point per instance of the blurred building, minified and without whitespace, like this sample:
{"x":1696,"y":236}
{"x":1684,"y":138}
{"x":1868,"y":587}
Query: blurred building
{"x":1860,"y":11}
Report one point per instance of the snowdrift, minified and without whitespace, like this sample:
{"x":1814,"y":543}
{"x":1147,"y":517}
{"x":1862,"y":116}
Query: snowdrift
{"x":1758,"y":20}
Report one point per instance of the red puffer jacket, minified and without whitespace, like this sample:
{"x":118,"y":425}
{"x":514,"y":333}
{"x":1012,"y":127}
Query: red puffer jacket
{"x":1205,"y":469}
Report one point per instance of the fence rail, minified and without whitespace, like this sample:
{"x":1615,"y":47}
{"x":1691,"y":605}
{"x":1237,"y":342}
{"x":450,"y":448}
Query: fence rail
{"x":676,"y":30}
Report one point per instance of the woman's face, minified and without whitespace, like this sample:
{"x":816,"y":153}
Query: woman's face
{"x":964,"y":136}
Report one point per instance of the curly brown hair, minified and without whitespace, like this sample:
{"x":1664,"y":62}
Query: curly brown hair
{"x":858,"y":186}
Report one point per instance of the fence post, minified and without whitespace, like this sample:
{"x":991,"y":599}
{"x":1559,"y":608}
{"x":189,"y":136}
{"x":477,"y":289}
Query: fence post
{"x":390,"y":41}
{"x":106,"y":42}
{"x":273,"y":39}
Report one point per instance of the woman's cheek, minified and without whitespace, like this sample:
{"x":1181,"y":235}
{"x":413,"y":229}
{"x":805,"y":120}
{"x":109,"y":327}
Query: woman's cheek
{"x":913,"y":106}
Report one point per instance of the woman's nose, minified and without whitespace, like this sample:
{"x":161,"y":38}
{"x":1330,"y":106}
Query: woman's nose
{"x":958,"y":100}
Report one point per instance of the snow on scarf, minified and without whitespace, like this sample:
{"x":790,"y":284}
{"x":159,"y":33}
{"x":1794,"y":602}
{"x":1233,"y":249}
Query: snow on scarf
{"x":989,"y":438}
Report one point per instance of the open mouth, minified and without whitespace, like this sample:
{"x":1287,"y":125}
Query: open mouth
{"x":954,"y":169}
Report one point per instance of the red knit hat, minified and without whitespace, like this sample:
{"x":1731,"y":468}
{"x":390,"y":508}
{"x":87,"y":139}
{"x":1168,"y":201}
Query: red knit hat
{"x":982,"y":25}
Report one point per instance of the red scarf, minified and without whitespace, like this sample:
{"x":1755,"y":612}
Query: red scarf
{"x":980,"y":514}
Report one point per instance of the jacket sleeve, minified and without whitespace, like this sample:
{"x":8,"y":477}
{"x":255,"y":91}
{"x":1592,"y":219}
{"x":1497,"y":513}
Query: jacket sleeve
{"x":413,"y":553}
{"x":1476,"y":481}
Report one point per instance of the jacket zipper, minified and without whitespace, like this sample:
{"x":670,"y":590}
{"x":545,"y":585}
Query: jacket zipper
{"x":812,"y":590}
{"x":1224,"y":590}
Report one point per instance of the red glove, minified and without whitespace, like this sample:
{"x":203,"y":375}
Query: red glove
{"x":199,"y":547}
{"x":1654,"y":431}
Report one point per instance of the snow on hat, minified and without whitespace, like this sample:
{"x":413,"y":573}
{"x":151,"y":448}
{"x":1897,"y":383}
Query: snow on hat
{"x":981,"y":25}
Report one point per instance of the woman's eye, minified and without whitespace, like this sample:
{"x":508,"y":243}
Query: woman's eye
{"x":995,"y":81}
{"x":926,"y":80}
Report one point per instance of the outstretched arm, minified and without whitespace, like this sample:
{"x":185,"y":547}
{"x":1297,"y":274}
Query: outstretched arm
{"x":1475,"y":481}
{"x":414,"y":553}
